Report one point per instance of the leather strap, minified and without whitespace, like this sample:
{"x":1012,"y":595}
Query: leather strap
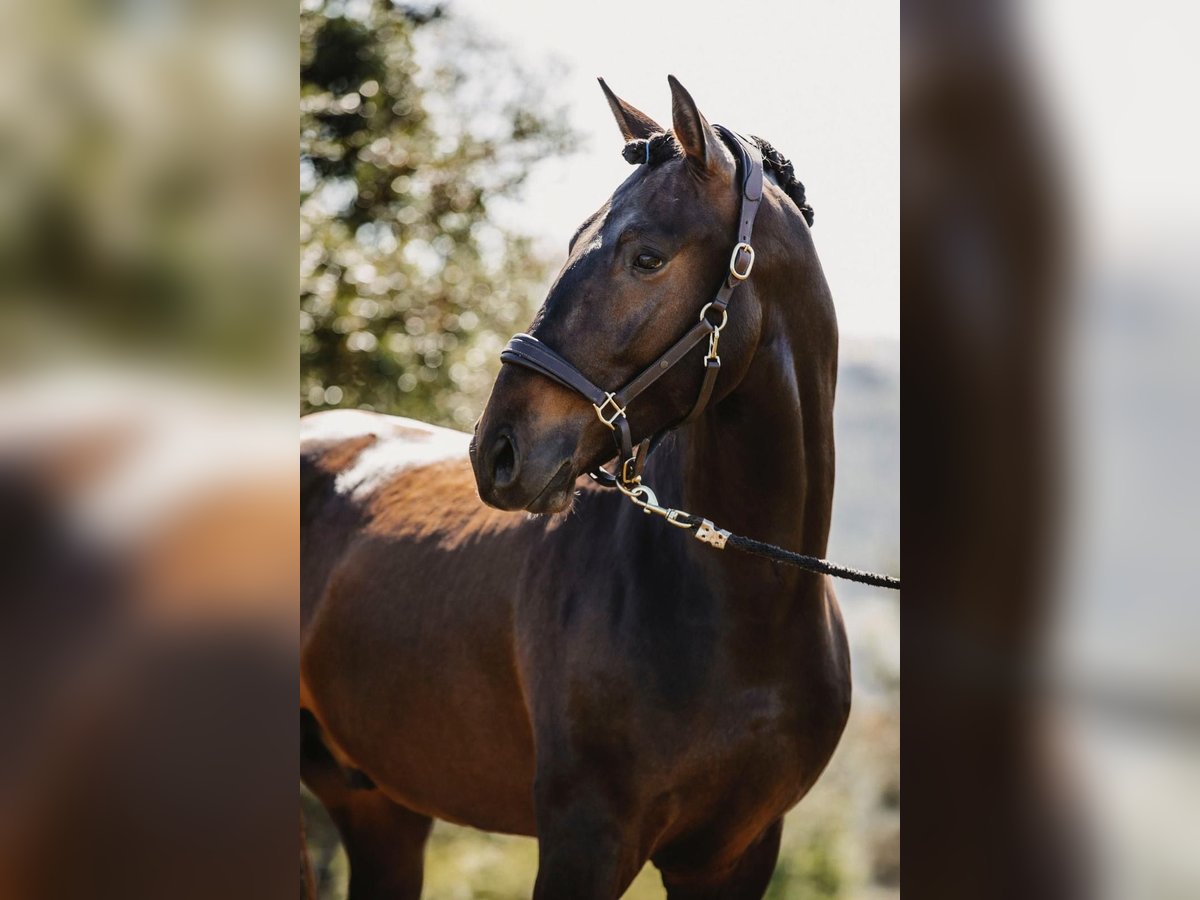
{"x":664,"y":363}
{"x":711,"y":368}
{"x":526,"y":350}
{"x":752,"y":191}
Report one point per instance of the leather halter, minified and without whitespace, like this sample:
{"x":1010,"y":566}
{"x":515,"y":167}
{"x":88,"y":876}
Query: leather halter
{"x":611,"y":406}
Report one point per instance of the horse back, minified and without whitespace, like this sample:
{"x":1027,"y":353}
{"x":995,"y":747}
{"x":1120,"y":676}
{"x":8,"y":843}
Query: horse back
{"x":409,"y":590}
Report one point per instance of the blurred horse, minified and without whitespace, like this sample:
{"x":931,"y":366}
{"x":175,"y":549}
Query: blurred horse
{"x":595,"y":678}
{"x":148,"y":625}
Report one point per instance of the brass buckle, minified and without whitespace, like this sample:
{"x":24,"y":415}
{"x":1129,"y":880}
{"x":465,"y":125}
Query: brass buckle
{"x":626,"y":468}
{"x":600,"y":407}
{"x":733,"y":269}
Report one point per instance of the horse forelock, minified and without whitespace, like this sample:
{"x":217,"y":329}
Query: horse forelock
{"x":658,"y":148}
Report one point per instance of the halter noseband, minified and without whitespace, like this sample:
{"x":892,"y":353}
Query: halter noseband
{"x":526,"y":350}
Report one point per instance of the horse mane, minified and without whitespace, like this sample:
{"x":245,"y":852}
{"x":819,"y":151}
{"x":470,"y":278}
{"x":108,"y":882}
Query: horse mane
{"x":785,"y":177}
{"x":659,"y":148}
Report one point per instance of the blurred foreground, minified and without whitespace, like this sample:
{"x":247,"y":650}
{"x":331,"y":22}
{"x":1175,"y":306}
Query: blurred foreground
{"x":148,"y":508}
{"x":1049,"y":228}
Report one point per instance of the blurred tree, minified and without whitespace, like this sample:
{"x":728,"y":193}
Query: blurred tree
{"x":408,"y":286}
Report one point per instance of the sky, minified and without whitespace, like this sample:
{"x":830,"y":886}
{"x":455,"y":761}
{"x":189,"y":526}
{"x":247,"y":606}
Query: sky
{"x":818,"y":79}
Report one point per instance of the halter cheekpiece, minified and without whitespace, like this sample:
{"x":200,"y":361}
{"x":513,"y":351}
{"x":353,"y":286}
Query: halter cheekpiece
{"x":611,"y":406}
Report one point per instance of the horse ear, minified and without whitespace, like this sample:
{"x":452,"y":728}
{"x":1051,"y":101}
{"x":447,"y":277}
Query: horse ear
{"x":634,"y":124}
{"x":699,"y":142}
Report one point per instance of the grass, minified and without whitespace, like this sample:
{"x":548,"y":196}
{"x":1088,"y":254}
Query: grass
{"x":464,"y":864}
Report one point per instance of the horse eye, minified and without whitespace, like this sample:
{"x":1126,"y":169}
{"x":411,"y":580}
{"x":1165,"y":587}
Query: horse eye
{"x":647,"y":261}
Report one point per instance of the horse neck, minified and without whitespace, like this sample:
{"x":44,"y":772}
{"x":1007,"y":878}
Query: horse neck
{"x":760,"y":461}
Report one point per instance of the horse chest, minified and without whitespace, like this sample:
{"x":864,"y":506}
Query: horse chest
{"x":685,"y":718}
{"x":678,"y":699}
{"x":748,"y":761}
{"x":746,"y":728}
{"x":669,"y":669}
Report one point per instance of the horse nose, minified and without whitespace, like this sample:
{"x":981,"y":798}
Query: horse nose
{"x":505,"y":460}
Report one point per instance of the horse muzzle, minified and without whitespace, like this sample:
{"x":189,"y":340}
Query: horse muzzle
{"x":515,"y":472}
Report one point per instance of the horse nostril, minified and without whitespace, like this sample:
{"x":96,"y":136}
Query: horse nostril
{"x":505,"y":463}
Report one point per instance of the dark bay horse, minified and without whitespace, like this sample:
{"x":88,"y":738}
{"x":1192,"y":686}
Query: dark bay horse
{"x":591,"y":676}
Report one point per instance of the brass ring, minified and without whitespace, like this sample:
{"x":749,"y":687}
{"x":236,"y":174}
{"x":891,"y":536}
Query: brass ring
{"x":724,"y":317}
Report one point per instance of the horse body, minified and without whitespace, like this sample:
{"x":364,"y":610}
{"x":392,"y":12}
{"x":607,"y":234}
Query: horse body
{"x":445,"y":645}
{"x":596,"y":678}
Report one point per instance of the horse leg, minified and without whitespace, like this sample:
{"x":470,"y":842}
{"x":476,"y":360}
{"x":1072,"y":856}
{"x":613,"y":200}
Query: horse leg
{"x":584,"y":852}
{"x":308,"y":882}
{"x":385,"y":844}
{"x":581,"y":859}
{"x":746,"y":879}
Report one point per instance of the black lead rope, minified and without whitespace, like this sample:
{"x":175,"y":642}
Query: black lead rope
{"x":706,"y":532}
{"x":811,"y":563}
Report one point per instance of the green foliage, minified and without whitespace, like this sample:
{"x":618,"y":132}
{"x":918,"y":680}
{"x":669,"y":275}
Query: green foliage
{"x":813,"y":870}
{"x":408,"y":286}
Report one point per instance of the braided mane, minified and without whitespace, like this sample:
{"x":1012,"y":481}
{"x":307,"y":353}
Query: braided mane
{"x":659,"y":148}
{"x":785,"y":176}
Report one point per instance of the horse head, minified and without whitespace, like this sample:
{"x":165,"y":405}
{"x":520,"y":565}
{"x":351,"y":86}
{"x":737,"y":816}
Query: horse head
{"x":638,"y":272}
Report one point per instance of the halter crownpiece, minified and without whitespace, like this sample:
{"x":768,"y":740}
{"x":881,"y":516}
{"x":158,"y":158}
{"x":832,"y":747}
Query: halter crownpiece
{"x":611,"y":406}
